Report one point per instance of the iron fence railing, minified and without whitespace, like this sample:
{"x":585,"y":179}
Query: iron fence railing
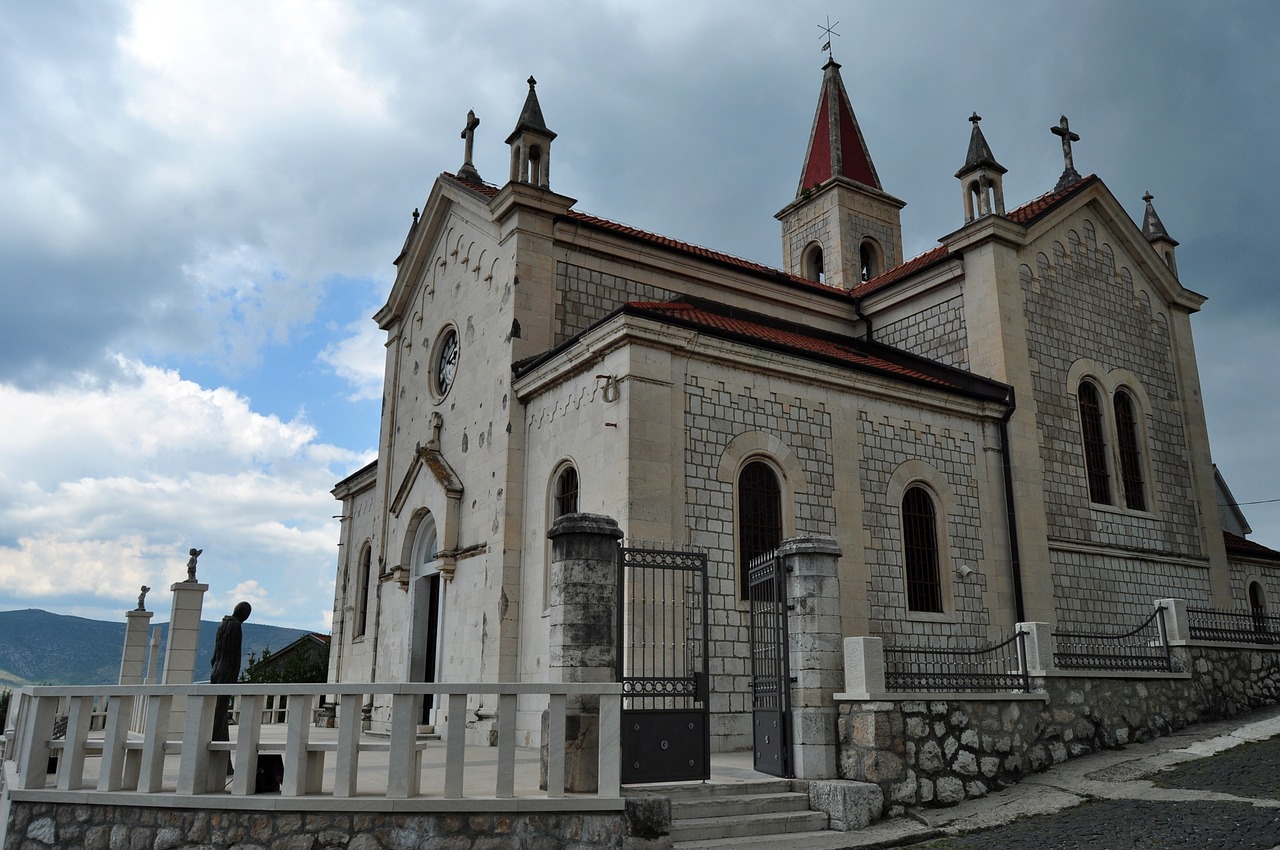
{"x":927,"y":667}
{"x":1143,"y":648}
{"x":1252,"y":625}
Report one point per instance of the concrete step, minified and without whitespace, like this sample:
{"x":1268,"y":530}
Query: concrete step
{"x":690,"y":790}
{"x":824,"y":840}
{"x":743,"y":826}
{"x":732,"y":806}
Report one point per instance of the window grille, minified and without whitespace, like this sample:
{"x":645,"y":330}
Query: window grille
{"x":1135,"y":497}
{"x":567,"y":492}
{"x":759,"y":516}
{"x":920,"y":551}
{"x":1095,"y":445}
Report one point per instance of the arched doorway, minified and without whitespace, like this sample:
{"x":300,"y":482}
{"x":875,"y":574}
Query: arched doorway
{"x":426,"y":598}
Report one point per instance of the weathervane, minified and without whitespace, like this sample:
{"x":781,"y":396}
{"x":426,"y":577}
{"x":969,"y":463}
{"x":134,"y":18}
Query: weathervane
{"x":828,"y":31}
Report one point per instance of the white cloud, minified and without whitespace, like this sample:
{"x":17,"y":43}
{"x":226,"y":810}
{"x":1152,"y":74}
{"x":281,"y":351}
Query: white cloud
{"x":109,"y":484}
{"x":360,"y":359}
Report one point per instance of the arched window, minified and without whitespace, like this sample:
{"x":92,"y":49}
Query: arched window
{"x":1258,"y":606}
{"x":1135,"y":497}
{"x":566,"y":493}
{"x":869,"y":259}
{"x":759,"y":516}
{"x":362,"y":591}
{"x":812,"y":267}
{"x":1095,"y":444}
{"x":920,"y":551}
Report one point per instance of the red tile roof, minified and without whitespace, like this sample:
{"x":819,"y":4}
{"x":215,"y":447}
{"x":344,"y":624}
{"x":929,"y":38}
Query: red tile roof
{"x":704,"y":253}
{"x":1032,"y":210}
{"x":843,"y":350}
{"x":929,"y":258}
{"x":482,"y":189}
{"x":1237,"y":545}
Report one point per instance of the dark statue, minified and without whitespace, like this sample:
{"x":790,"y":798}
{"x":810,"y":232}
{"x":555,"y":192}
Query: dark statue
{"x":142,"y":598}
{"x":191,"y":563}
{"x":226,"y":662}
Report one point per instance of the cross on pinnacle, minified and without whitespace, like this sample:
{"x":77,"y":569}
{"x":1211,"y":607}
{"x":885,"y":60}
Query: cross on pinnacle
{"x":1069,"y":173}
{"x":468,"y":171}
{"x":828,"y":31}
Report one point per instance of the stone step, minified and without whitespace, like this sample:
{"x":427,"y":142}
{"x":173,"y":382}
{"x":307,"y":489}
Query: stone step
{"x":743,"y":826}
{"x":823,"y":840}
{"x":727,"y":806}
{"x":692,"y":790}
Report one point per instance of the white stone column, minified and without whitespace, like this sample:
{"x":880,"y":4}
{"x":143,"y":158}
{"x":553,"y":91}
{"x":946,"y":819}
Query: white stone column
{"x":137,"y":627}
{"x":816,"y":652}
{"x":180,"y":648}
{"x":1176,"y":625}
{"x":863,"y":669}
{"x":583,"y":607}
{"x":1039,"y":642}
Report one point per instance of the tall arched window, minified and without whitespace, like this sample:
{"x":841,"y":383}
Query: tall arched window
{"x":812,"y":266}
{"x":1135,"y":497}
{"x":1095,"y":444}
{"x":362,"y":591}
{"x":759,"y":516}
{"x":920,"y":551}
{"x":566,"y":494}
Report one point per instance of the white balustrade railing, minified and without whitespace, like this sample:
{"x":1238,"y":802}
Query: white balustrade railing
{"x":196,"y":765}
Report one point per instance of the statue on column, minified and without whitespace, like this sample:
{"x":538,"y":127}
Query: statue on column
{"x":142,"y":598}
{"x":191,"y":563}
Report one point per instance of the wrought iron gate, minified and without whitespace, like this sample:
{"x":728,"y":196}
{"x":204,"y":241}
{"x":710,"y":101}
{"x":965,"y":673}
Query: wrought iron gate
{"x":770,"y":668}
{"x":663,"y":637}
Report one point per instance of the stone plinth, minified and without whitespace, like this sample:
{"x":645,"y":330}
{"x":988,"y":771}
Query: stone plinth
{"x":180,"y":647}
{"x":133,"y":659}
{"x":582,"y":609}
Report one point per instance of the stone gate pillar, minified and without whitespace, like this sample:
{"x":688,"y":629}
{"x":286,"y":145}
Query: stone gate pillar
{"x":583,"y":611}
{"x":816,"y":652}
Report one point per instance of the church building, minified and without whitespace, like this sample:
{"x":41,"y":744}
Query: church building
{"x":1006,"y":428}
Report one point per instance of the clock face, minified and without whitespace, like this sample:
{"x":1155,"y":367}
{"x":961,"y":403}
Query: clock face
{"x":447,"y":362}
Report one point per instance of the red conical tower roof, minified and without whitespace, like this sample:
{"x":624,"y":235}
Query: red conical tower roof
{"x":836,"y":146}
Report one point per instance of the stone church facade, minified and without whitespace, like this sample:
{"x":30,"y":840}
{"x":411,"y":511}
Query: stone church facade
{"x":1006,"y":428}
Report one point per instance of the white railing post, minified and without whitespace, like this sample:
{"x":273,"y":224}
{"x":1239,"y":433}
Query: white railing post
{"x":34,"y":732}
{"x":155,"y":731}
{"x":610,"y":762}
{"x":115,"y":736}
{"x":298,"y":736}
{"x":347,"y":758}
{"x":455,"y":746}
{"x":71,"y":764}
{"x":248,"y":734}
{"x":1040,"y":647}
{"x":403,"y":762}
{"x":1177,"y":626}
{"x":863,"y":668}
{"x":506,"y":746}
{"x":193,"y":767}
{"x":555,"y":745}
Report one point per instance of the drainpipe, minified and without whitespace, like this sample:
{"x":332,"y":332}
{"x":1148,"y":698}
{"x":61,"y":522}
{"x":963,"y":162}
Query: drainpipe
{"x":1011,"y":517}
{"x":857,"y":309}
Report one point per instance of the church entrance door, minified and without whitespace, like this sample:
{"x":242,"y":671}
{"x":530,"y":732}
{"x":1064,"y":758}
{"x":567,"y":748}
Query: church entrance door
{"x":425,"y":601}
{"x":663,"y":639}
{"x":770,"y":667}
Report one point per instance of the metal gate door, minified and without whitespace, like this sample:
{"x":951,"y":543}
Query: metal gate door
{"x":663,"y":638}
{"x":770,"y":669}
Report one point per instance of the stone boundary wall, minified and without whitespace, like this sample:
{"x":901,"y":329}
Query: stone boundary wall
{"x":40,"y":825}
{"x":941,"y":751}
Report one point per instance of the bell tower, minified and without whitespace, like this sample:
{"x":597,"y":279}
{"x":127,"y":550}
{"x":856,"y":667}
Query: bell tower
{"x":530,"y":144}
{"x":842,"y":228}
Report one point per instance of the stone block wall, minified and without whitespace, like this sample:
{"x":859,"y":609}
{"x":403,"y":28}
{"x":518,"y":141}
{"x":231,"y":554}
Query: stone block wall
{"x":939,"y":752}
{"x":938,"y":333}
{"x":585,"y":296}
{"x":43,"y":826}
{"x":1097,"y":592}
{"x":1127,"y":340}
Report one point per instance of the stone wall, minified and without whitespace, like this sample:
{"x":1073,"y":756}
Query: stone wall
{"x":37,"y":826}
{"x":585,"y":296}
{"x":939,"y":752}
{"x":938,"y":333}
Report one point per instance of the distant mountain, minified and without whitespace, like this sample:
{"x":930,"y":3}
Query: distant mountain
{"x":40,"y":648}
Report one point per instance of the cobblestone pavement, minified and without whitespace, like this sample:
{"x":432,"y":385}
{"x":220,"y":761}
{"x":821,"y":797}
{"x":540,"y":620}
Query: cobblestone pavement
{"x":1238,"y":809}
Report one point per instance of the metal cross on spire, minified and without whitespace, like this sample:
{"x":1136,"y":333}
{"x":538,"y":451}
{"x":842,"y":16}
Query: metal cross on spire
{"x":1069,"y":173}
{"x":827,"y":32}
